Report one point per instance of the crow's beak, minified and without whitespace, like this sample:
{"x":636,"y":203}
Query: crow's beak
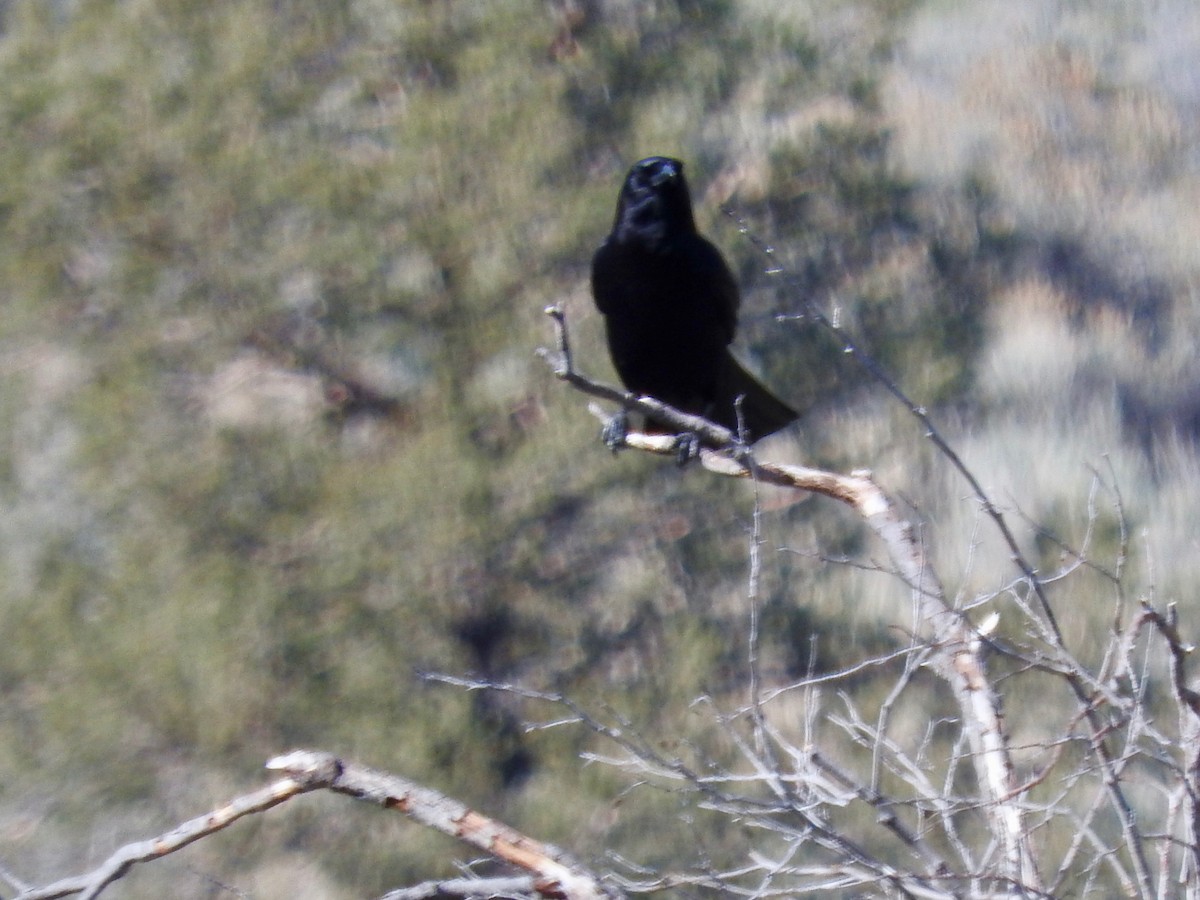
{"x":667,"y":172}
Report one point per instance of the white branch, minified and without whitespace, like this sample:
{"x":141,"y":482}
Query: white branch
{"x":955,"y":644}
{"x":91,"y":884}
{"x":552,"y":873}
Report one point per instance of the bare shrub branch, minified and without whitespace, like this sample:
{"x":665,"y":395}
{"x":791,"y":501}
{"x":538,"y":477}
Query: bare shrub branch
{"x":125,"y":858}
{"x":555,"y":873}
{"x":552,"y":873}
{"x":1047,"y":620}
{"x":955,"y":647}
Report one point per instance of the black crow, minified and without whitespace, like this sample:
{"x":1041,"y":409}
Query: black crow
{"x":670,"y":306}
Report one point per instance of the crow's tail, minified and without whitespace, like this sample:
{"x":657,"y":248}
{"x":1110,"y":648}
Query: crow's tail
{"x":762,"y":412}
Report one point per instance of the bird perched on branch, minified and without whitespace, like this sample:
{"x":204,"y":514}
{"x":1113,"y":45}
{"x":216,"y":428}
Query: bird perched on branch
{"x":670,"y":308}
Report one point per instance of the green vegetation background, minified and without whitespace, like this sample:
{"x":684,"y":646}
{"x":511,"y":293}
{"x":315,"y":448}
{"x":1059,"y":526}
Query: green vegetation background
{"x":219,"y":219}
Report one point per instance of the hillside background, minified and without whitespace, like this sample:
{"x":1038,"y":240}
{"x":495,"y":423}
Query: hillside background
{"x":275,"y":439}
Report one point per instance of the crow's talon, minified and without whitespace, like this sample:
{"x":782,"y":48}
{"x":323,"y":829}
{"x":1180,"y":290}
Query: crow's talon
{"x":614,"y":431}
{"x":687,"y":447}
{"x":739,"y":449}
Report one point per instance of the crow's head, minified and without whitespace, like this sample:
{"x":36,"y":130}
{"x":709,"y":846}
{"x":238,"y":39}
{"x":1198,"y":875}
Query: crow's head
{"x":654,"y":207}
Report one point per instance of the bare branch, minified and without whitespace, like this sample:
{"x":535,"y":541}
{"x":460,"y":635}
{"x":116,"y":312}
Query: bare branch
{"x":521,"y":886}
{"x":956,"y":646}
{"x":119,"y":863}
{"x":1128,"y":820}
{"x":555,"y":874}
{"x":552,"y":874}
{"x":1188,"y":702}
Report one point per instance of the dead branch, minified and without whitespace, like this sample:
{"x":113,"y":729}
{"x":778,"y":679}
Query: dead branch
{"x":1078,"y":685}
{"x":955,"y":644}
{"x":552,"y":874}
{"x":1187,"y":701}
{"x":555,"y":874}
{"x":125,"y":858}
{"x":466,"y":888}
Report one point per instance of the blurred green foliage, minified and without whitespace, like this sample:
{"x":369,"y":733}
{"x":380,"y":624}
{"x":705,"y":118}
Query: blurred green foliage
{"x":216,"y":219}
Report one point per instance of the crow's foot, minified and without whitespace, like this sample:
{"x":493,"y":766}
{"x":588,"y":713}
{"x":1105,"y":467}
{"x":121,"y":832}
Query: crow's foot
{"x":614,"y":431}
{"x":687,"y":447}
